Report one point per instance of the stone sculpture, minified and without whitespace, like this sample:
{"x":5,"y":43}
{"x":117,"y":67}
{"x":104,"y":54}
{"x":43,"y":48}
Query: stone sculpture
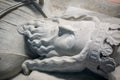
{"x":71,"y":46}
{"x":70,"y":41}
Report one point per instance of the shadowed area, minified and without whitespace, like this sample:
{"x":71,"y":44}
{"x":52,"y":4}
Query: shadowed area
{"x":85,"y":75}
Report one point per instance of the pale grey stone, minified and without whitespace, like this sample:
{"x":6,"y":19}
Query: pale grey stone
{"x":10,"y":65}
{"x":12,"y":50}
{"x":76,"y":13}
{"x":35,"y":75}
{"x":58,"y":7}
{"x":90,"y":53}
{"x":39,"y":76}
{"x":20,"y":77}
{"x":75,"y":51}
{"x":115,"y":74}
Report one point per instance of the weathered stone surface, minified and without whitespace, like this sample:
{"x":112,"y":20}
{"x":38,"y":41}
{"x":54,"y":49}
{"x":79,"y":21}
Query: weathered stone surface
{"x":20,"y":77}
{"x":76,"y":12}
{"x":57,"y":7}
{"x":10,"y":65}
{"x":12,"y":50}
{"x":11,"y":53}
{"x":86,"y":75}
{"x":92,"y":51}
{"x":115,"y":75}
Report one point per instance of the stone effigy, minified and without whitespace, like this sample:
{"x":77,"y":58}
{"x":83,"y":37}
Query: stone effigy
{"x":73,"y":41}
{"x":71,"y":46}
